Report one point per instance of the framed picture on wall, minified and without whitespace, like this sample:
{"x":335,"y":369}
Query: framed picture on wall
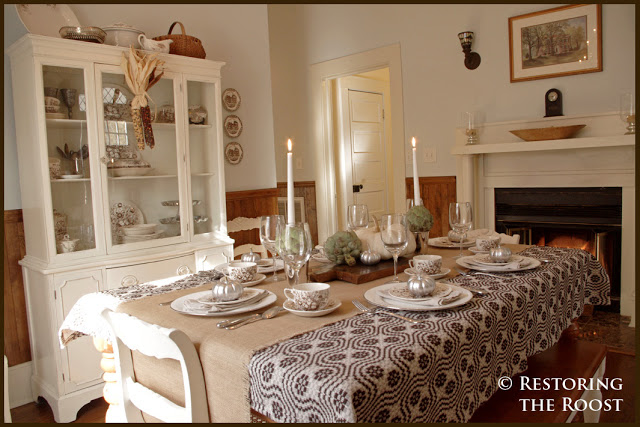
{"x":556,"y":42}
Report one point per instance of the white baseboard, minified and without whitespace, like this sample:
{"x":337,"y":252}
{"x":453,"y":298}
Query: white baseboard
{"x":20,"y":385}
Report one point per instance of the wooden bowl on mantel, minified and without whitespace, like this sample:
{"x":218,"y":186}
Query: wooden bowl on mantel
{"x":545,"y":134}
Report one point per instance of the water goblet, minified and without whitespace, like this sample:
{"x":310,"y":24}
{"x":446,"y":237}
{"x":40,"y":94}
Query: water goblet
{"x":461,"y":220}
{"x":268,"y":237}
{"x":357,"y":216}
{"x":394,"y":233}
{"x":294,"y":244}
{"x":69,"y":98}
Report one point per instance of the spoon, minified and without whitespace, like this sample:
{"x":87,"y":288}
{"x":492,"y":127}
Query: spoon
{"x":269,"y":314}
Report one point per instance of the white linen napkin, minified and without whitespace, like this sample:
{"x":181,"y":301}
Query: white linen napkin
{"x":430,"y":302}
{"x":515,"y":265}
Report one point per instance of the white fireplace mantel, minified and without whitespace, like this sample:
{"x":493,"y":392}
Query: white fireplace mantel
{"x":600,"y":155}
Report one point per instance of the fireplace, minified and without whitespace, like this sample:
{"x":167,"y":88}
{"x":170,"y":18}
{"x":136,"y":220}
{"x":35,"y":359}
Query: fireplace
{"x":588,"y":218}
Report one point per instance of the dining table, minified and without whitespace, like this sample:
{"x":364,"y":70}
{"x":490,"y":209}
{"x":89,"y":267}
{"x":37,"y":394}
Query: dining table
{"x":352,"y":366}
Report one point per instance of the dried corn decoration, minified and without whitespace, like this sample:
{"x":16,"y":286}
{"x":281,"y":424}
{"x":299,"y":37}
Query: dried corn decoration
{"x":141,"y":72}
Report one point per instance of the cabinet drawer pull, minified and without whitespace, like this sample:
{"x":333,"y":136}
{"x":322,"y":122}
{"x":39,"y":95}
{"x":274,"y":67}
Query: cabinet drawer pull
{"x":129,"y":281}
{"x":183,"y":270}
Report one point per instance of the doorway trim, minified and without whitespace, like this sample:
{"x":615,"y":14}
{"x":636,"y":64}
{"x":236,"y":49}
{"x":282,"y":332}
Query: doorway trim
{"x":325,"y":141}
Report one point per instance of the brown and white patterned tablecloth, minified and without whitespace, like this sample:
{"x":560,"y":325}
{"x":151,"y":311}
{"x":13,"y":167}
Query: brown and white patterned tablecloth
{"x":376,"y":368}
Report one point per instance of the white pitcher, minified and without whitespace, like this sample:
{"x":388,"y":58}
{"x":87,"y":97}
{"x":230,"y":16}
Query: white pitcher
{"x":153,"y":45}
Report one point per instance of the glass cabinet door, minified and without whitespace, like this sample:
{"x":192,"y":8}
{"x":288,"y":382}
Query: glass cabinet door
{"x":143,"y":184}
{"x":68,"y":152}
{"x":203,"y":155}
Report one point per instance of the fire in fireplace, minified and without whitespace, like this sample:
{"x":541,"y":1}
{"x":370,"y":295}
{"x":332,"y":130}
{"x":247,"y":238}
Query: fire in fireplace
{"x":585,"y":218}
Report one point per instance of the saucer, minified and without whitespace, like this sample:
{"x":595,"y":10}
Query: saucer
{"x":475,"y":250}
{"x":443,"y":272}
{"x":259,"y":277}
{"x":331,"y":306}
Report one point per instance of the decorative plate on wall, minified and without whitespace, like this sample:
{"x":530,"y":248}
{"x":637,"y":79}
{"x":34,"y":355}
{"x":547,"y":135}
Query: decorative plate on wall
{"x":233,"y":153}
{"x":233,"y":126}
{"x":231,"y":99}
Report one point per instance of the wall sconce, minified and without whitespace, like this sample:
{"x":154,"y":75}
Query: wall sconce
{"x":471,"y":59}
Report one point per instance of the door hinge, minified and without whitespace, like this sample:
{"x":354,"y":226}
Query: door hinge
{"x":55,"y":295}
{"x":357,"y":188}
{"x":63,"y":377}
{"x":382,"y":114}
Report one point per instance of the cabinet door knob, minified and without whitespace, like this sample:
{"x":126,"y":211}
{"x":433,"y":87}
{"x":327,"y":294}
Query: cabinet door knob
{"x":183,"y":270}
{"x":129,"y":281}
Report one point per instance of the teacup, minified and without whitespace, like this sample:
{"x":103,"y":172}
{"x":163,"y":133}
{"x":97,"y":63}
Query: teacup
{"x":485,"y":243}
{"x":67,"y":244}
{"x":309,"y":296}
{"x":241,"y":271}
{"x":427,"y":264}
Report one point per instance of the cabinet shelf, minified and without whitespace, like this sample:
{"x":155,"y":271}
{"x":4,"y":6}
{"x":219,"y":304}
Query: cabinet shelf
{"x":74,"y":123}
{"x":204,"y":174}
{"x":121,"y":178}
{"x":71,"y":180}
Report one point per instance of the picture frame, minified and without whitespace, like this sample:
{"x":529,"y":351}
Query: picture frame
{"x":556,"y":42}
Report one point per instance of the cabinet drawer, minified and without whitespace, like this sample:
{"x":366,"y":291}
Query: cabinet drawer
{"x":146,"y":272}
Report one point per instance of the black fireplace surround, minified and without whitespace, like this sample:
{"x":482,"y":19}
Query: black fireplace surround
{"x":536,"y":213}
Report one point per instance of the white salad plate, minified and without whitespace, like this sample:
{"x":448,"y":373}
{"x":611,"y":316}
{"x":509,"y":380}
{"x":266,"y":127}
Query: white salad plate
{"x":485,"y":259}
{"x":475,"y":250}
{"x":331,"y":306}
{"x":247,"y":294}
{"x":178,"y":305}
{"x":467,"y":262}
{"x":139,"y":229}
{"x":372,"y":296}
{"x":401,"y":293}
{"x":46,"y":19}
{"x":444,"y":242}
{"x":443,"y":272}
{"x":266,"y":265}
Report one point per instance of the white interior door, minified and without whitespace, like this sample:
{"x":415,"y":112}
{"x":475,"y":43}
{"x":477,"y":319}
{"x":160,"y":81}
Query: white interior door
{"x":363,"y":172}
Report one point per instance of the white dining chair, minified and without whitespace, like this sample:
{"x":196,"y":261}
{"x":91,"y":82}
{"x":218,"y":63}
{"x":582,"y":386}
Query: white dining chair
{"x":152,"y":340}
{"x":505,"y":238}
{"x":241,"y":224}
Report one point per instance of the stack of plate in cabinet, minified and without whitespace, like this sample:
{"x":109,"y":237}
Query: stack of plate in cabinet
{"x":140,"y":233}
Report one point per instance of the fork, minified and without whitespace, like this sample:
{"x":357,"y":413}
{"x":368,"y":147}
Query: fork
{"x":466,"y":273}
{"x":368,"y":310}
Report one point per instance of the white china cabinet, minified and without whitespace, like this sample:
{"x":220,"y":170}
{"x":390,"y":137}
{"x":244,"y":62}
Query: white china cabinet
{"x":87,"y":190}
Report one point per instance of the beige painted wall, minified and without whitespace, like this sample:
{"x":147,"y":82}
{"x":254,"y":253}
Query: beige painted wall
{"x":235,"y":34}
{"x":436,"y":85}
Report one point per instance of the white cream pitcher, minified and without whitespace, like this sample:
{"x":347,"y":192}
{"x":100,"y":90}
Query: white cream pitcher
{"x":155,"y":46}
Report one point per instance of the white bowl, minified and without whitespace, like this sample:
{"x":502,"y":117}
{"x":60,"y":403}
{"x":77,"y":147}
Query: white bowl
{"x":122,"y":35}
{"x":139,"y":229}
{"x":130,"y":171}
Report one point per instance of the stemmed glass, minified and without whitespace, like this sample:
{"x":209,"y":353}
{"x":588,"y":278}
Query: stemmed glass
{"x":357,"y":216}
{"x":268,"y":236}
{"x":628,"y":112}
{"x":294,"y":244}
{"x":394,"y":234}
{"x":69,"y":98}
{"x":461,"y":220}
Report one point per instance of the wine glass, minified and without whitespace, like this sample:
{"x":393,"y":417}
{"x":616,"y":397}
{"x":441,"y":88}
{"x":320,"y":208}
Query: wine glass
{"x":294,"y":244}
{"x":461,"y":220}
{"x":628,"y":112}
{"x":268,"y":237}
{"x":394,"y":234}
{"x":357,"y":216}
{"x":69,"y":98}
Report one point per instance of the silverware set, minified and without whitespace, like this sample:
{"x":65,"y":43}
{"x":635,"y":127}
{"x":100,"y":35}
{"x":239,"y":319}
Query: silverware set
{"x":234,"y":324}
{"x":376,"y":310}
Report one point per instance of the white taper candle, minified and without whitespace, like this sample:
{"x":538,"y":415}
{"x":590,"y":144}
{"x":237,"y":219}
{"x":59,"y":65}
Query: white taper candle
{"x":291,"y":212}
{"x":416,"y":185}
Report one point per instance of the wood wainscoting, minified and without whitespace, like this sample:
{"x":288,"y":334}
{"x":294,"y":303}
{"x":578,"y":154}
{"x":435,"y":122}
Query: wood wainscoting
{"x":16,"y":329}
{"x":437,"y":192}
{"x":250,"y":204}
{"x":306,"y":189}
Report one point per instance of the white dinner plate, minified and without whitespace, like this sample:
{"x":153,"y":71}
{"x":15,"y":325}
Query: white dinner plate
{"x":372,"y":296}
{"x":443,"y":272}
{"x":178,"y":304}
{"x":331,"y":306}
{"x":444,"y":242}
{"x":464,"y":262}
{"x":46,"y":19}
{"x":71,"y":176}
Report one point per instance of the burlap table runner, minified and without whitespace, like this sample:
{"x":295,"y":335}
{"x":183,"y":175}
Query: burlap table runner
{"x":225,"y":355}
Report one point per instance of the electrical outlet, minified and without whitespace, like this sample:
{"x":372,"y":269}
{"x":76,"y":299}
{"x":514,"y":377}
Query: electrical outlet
{"x":298,"y":163}
{"x":429,"y":155}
